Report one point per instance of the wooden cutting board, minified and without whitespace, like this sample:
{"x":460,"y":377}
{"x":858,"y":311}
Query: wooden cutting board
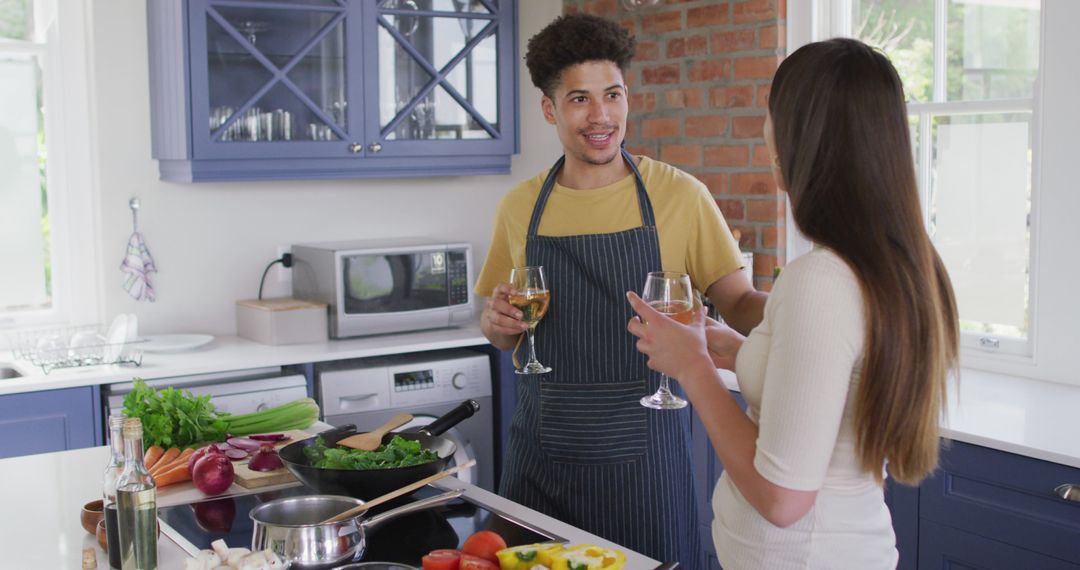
{"x":249,"y":479}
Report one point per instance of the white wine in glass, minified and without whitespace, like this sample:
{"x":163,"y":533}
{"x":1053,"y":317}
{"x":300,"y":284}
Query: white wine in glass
{"x":671,"y":294}
{"x":532,"y":299}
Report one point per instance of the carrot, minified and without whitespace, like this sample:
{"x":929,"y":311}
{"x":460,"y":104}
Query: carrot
{"x":173,"y":476}
{"x":153,"y":454}
{"x":169,"y":455}
{"x":180,"y":459}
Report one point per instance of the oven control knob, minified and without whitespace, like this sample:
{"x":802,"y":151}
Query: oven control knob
{"x":459,"y":381}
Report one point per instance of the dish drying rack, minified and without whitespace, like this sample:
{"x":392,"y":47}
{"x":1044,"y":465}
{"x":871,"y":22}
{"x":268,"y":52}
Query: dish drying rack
{"x":71,"y":347}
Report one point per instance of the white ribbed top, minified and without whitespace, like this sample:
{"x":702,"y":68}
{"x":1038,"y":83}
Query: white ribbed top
{"x":795,"y":372}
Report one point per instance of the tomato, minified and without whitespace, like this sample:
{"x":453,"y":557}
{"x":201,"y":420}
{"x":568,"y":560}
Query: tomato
{"x":484,"y":544}
{"x":470,"y":562}
{"x":442,"y":559}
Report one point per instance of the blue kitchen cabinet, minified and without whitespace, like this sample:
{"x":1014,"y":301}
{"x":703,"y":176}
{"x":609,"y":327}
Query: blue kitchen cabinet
{"x":302,"y":89}
{"x":51,"y":420}
{"x":991,"y":509}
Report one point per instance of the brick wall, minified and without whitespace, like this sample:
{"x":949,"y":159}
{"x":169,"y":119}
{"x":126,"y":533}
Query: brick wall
{"x":697,"y":101}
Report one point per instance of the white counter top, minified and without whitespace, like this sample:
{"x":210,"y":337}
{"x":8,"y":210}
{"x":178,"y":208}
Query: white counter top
{"x":42,"y":496}
{"x":1019,"y":415}
{"x":235,"y":353}
{"x":1023,"y":416}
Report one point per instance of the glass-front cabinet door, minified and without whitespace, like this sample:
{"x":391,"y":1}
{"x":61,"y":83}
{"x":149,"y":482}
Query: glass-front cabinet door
{"x":442,"y":69}
{"x":276,"y":78}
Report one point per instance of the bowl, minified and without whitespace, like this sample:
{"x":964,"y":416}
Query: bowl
{"x":91,"y":514}
{"x":102,"y":536}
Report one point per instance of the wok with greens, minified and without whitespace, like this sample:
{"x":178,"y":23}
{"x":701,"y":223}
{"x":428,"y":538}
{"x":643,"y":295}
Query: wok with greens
{"x":400,"y":452}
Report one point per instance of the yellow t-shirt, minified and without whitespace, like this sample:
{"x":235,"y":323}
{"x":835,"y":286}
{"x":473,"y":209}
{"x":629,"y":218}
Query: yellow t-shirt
{"x":694,"y":239}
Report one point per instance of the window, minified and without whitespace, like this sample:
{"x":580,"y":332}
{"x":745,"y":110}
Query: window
{"x":969,"y":69}
{"x":991,"y":93}
{"x":45,"y":225}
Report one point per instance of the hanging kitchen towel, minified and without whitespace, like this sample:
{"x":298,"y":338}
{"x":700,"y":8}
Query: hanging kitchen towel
{"x":137,"y":267}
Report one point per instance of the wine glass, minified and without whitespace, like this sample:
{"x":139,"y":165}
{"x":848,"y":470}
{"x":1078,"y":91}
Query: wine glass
{"x":531,"y":298}
{"x":671,"y":294}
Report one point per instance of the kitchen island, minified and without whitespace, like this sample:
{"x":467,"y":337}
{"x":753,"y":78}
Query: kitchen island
{"x":42,"y":495}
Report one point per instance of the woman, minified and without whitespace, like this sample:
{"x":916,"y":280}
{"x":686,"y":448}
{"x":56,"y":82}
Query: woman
{"x":847,"y":370}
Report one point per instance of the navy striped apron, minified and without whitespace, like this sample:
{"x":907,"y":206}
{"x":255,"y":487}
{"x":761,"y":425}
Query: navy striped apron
{"x":582,"y":447}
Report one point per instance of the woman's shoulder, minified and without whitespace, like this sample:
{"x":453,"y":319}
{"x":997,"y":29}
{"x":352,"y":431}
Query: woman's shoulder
{"x":821,"y":271}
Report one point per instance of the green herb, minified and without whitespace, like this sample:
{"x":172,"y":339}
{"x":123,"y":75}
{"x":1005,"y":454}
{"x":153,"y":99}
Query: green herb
{"x":175,"y":418}
{"x":172,"y":418}
{"x":526,"y":556}
{"x":400,"y":452}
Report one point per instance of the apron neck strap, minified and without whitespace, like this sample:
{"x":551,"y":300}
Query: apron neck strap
{"x":648,"y":219}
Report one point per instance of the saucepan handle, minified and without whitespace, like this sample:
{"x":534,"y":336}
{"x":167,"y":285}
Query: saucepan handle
{"x":452,"y":418}
{"x":370,"y":524}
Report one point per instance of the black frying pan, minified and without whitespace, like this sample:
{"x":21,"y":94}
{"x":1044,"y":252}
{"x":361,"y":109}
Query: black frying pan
{"x":367,"y":484}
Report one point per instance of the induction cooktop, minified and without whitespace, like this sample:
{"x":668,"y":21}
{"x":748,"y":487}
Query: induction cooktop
{"x":405,"y":539}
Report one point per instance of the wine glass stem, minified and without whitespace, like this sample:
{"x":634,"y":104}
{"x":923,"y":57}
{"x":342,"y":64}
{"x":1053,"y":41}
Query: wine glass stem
{"x":665,"y":386}
{"x":532,"y":346}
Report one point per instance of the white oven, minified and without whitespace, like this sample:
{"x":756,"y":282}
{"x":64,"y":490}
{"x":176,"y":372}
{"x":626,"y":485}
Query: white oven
{"x":366,"y":392}
{"x":235,"y":392}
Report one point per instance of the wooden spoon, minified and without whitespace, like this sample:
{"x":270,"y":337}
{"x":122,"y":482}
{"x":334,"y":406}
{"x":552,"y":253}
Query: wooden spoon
{"x":395,"y":494}
{"x":371,"y":440}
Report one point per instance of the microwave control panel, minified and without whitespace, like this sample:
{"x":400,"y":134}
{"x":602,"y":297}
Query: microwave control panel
{"x":457,"y":278}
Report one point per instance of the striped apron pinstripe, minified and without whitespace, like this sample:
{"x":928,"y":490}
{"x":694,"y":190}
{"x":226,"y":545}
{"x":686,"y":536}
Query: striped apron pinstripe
{"x":582,"y":448}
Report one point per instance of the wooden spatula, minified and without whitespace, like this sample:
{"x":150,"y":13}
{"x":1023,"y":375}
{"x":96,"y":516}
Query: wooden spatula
{"x":395,"y":494}
{"x":371,"y":440}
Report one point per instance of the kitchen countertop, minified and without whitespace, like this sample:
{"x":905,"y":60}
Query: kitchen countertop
{"x":235,"y":353}
{"x":42,"y":495}
{"x":1028,"y":417}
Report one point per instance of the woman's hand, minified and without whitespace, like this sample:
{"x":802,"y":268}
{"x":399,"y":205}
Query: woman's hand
{"x":673,"y":348}
{"x":723,"y":342}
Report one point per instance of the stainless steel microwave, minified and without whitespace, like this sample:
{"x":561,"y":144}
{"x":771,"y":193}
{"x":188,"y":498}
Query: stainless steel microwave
{"x":385,"y":286}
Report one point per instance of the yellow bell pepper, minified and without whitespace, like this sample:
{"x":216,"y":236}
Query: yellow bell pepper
{"x":528,"y":556}
{"x":588,"y":557}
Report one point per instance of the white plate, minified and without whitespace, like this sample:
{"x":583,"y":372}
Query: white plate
{"x":173,"y":342}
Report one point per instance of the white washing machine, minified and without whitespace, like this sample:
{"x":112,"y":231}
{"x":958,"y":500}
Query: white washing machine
{"x":368,"y":391}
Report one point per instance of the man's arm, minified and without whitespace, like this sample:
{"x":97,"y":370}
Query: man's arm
{"x":501,"y":322}
{"x":741,"y":306}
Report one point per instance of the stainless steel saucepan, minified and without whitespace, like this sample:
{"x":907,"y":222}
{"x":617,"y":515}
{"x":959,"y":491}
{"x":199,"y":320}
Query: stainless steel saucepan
{"x":292,"y":528}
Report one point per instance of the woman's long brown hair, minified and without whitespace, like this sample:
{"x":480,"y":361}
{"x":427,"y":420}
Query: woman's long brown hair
{"x":844,"y":148}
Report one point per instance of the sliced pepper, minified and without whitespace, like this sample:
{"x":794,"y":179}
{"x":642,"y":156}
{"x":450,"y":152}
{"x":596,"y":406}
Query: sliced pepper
{"x":527,"y":556}
{"x":588,"y":557}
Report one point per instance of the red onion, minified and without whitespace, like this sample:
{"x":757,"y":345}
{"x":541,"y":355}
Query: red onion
{"x":268,"y":437}
{"x":199,"y":454}
{"x":213,"y":474}
{"x":265,"y":459}
{"x":244,"y":443}
{"x":235,"y":454}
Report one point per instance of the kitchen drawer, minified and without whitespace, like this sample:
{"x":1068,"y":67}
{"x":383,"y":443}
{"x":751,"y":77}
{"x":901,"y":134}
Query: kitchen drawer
{"x":1003,"y":497}
{"x":951,"y":549}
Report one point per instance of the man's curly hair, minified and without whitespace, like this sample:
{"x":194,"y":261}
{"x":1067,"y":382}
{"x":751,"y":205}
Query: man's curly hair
{"x":573,"y":39}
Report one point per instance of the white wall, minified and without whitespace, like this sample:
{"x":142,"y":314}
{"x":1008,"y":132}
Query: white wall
{"x":211,"y":241}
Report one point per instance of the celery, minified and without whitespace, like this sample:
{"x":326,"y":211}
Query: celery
{"x":293,"y":415}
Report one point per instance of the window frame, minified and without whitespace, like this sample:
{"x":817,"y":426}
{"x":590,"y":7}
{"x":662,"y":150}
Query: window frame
{"x":62,"y":44}
{"x":820,"y":19}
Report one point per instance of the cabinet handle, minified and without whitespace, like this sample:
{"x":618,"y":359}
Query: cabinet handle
{"x":374,"y":147}
{"x":356,"y":148}
{"x":1068,"y":492}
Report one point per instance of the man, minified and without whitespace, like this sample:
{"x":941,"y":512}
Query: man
{"x":582,"y":447}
